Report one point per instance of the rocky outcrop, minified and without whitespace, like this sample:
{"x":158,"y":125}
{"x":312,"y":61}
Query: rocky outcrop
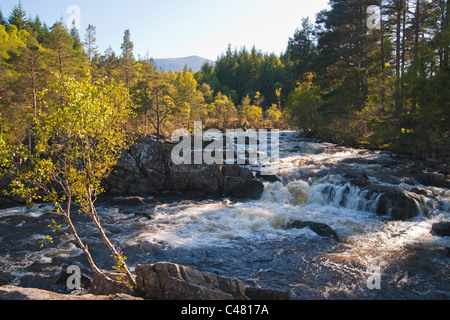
{"x":400,"y":205}
{"x":146,"y":168}
{"x":159,"y":281}
{"x":168,"y":281}
{"x":17,"y":293}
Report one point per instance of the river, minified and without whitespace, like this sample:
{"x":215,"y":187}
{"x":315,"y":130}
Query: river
{"x":319,"y":182}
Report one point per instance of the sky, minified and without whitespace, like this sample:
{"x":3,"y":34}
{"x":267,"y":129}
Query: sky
{"x":180,"y":28}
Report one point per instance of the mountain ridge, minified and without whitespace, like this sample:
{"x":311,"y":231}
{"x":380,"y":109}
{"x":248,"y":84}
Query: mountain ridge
{"x":177,"y":64}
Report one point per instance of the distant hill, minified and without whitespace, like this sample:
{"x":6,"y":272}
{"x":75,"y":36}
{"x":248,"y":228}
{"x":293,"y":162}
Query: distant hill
{"x":177,"y":64}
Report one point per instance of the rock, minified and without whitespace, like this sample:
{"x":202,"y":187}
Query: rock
{"x":232,"y":171}
{"x":441,"y":229}
{"x":127,"y":201}
{"x":321,"y":229}
{"x":147,"y":168}
{"x":16,"y":293}
{"x":268,"y":177}
{"x":435,"y":180}
{"x":266,"y":294}
{"x":196,"y":178}
{"x":100,"y":286}
{"x":360,"y":179}
{"x":169,"y":281}
{"x":398,"y":204}
{"x":7,"y":203}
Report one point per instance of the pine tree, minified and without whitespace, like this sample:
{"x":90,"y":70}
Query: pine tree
{"x":18,"y":17}
{"x":76,"y":42}
{"x":2,"y":19}
{"x":90,"y":44}
{"x":108,"y":64}
{"x":342,"y":62}
{"x":65,"y":58}
{"x":302,"y":48}
{"x":128,"y":62}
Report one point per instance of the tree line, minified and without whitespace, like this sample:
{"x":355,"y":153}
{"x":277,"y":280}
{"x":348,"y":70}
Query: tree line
{"x":32,"y":54}
{"x":339,"y":79}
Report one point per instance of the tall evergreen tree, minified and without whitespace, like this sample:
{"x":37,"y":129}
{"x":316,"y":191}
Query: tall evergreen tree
{"x":76,"y":42}
{"x":65,"y":57}
{"x":128,"y":62}
{"x":302,"y":47}
{"x":108,"y":64}
{"x":342,"y":63}
{"x":90,"y":43}
{"x":2,"y":19}
{"x":18,"y":17}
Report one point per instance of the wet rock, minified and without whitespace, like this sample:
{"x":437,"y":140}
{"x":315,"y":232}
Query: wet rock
{"x":16,"y":293}
{"x":169,"y":281}
{"x":329,"y":193}
{"x":398,"y":204}
{"x":360,"y":179}
{"x":321,"y":229}
{"x":268,"y":177}
{"x":441,"y":229}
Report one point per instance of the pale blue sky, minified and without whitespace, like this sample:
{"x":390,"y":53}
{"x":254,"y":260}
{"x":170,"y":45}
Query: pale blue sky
{"x":178,"y":28}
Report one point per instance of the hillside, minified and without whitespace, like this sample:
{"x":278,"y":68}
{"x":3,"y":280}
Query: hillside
{"x":177,"y":64}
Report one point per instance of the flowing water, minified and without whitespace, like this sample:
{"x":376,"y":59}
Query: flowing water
{"x":248,"y":240}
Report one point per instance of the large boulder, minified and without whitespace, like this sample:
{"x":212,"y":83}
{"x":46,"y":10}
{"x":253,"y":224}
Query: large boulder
{"x":169,"y":281}
{"x":400,"y":205}
{"x":441,"y":229}
{"x":147,"y":168}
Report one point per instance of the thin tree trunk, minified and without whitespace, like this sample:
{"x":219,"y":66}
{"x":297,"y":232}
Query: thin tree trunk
{"x":80,"y":242}
{"x":398,"y":105}
{"x":383,"y":64}
{"x":110,"y":246}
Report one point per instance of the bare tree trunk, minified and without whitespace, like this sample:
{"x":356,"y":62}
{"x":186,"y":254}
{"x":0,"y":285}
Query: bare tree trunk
{"x":96,"y":220}
{"x":383,"y":64}
{"x":398,"y":102}
{"x":80,"y":242}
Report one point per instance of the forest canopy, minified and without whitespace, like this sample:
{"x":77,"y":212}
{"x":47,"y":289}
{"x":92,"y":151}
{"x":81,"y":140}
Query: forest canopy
{"x":339,"y":79}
